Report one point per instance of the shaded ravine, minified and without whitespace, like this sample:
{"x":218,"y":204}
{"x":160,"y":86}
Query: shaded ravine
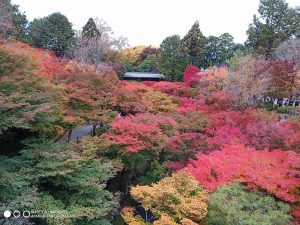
{"x":77,"y":133}
{"x":119,"y":184}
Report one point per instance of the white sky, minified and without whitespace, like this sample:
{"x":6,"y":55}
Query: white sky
{"x":148,"y":22}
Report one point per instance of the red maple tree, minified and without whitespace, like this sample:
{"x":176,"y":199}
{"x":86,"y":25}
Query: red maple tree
{"x":142,"y":131}
{"x":276,"y":172}
{"x":191,"y":75}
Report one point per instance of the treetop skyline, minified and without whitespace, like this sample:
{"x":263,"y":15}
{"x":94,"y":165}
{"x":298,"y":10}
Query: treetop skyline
{"x":157,"y":19}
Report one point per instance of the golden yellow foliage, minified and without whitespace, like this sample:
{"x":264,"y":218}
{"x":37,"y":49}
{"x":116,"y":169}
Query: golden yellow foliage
{"x":165,"y":219}
{"x":186,"y":221}
{"x":132,"y":54}
{"x":128,"y":214}
{"x":158,"y":102}
{"x":180,"y":197}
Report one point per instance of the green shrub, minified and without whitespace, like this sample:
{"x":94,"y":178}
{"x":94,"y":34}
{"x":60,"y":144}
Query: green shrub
{"x":286,"y":109}
{"x":235,"y":205}
{"x":266,"y":105}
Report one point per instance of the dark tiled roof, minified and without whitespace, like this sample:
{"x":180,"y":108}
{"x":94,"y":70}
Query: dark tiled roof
{"x":143,"y":75}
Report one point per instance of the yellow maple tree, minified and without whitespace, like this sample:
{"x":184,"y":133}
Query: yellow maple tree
{"x":179,"y":198}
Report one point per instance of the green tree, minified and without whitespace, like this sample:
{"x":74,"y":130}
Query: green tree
{"x":66,"y":177}
{"x":173,"y":60}
{"x":90,"y":29}
{"x":218,"y":49}
{"x":276,"y":23}
{"x":53,"y":32}
{"x":236,"y":205}
{"x":193,"y":44}
{"x":150,"y":64}
{"x":146,"y":52}
{"x":28,"y":102}
{"x":129,"y":67}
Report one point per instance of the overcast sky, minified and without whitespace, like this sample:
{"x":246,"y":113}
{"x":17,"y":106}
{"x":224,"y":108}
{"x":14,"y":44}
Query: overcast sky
{"x":148,"y":22}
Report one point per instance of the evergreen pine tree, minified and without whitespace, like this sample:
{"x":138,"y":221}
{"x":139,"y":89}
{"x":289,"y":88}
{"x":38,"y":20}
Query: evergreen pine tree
{"x":173,"y":60}
{"x":193,"y":44}
{"x":90,"y":29}
{"x":275,"y":23}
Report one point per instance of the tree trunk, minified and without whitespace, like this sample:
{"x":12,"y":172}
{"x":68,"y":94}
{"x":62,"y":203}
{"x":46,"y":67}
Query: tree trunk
{"x":94,"y":129}
{"x":69,"y":135}
{"x":269,"y":49}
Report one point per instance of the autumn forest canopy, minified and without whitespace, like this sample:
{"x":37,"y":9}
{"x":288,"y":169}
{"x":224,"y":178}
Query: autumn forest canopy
{"x":215,"y":143}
